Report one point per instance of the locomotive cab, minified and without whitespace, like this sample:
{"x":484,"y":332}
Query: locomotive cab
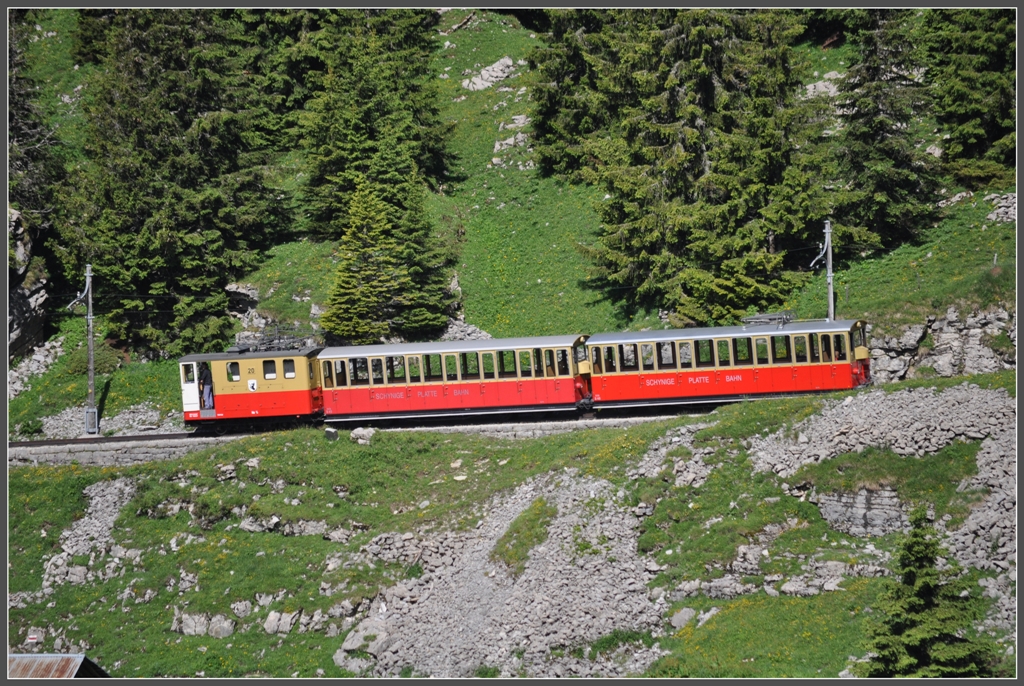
{"x":246,"y":385}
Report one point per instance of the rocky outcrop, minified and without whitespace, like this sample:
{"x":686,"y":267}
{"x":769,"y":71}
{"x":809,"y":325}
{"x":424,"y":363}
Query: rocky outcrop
{"x":1005,"y":207}
{"x":459,"y":330}
{"x":945,"y":346}
{"x":34,"y":364}
{"x":26,"y":280}
{"x":864,"y":513}
{"x":910,"y":422}
{"x":564,"y":597}
{"x":499,"y":71}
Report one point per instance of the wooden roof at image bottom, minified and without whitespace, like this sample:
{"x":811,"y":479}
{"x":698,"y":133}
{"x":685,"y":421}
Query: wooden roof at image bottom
{"x":51,"y":666}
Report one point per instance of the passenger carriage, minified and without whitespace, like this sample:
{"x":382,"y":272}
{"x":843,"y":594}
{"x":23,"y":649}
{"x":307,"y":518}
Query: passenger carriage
{"x":252,"y":385}
{"x":451,"y":378}
{"x":723,"y":363}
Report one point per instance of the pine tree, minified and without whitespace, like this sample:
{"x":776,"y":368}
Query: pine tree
{"x":926,"y":616}
{"x":886,"y":184}
{"x":371,"y":285}
{"x":170,"y":204}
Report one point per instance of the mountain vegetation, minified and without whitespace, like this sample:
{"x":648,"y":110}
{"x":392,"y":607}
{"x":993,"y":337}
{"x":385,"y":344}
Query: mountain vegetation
{"x":180,"y":150}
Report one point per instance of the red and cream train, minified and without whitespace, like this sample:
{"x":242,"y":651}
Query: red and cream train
{"x":516,"y":375}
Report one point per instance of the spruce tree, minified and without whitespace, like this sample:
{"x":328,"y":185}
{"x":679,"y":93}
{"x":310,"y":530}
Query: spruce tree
{"x":170,"y":204}
{"x":972,"y":57}
{"x":886,"y":184}
{"x":362,"y":129}
{"x":705,"y":160}
{"x":926,"y":616}
{"x":371,"y":286}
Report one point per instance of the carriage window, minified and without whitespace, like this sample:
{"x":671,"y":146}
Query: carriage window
{"x":488,"y":365}
{"x":741,"y":352}
{"x":723,"y":353}
{"x":328,"y":377}
{"x":685,"y":355}
{"x":470,"y":366}
{"x":524,"y":364}
{"x":451,"y":368}
{"x":538,"y":364}
{"x":780,"y":349}
{"x":667,"y":355}
{"x":609,"y":358}
{"x":377,"y":367}
{"x":826,"y":348}
{"x":549,"y":363}
{"x":647,"y":356}
{"x":761,"y":348}
{"x":506,"y":364}
{"x":580,"y":353}
{"x":234,"y":373}
{"x":396,"y":369}
{"x":432,"y":368}
{"x":188,"y":373}
{"x":596,"y":353}
{"x":340,"y":377}
{"x":840,"y":347}
{"x":858,"y":336}
{"x":562,"y":360}
{"x":310,"y":371}
{"x":414,"y":368}
{"x":359,"y":371}
{"x":627,"y":358}
{"x":269,"y":369}
{"x":815,"y":353}
{"x":289,"y":369}
{"x":704,"y":351}
{"x":800,"y":348}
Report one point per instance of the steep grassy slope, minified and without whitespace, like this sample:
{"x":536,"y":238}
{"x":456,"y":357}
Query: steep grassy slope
{"x":406,"y":481}
{"x":965,"y":260}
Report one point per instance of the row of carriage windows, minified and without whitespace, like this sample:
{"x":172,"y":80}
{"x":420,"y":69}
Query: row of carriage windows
{"x":468,"y":366}
{"x":726,"y":352}
{"x":269,"y":370}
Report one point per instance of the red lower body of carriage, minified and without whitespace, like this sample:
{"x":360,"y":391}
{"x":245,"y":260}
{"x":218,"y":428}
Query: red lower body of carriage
{"x":461,"y":397}
{"x":233,"y":406}
{"x":609,"y":390}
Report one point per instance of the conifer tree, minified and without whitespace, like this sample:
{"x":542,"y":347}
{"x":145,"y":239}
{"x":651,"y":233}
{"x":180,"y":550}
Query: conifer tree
{"x":169,"y":206}
{"x":371,"y":285}
{"x":362,"y":129}
{"x":972,"y":57}
{"x":886,"y":184}
{"x":705,"y":160}
{"x":926,"y":616}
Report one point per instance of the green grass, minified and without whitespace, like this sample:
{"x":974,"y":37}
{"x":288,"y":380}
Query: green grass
{"x":392,"y":475}
{"x":299,"y":269}
{"x":53,"y":68}
{"x":952,"y":265}
{"x":929,"y":479}
{"x":520,"y":269}
{"x":820,"y":62}
{"x":526,"y":532}
{"x":65,"y":385}
{"x":763,"y":637}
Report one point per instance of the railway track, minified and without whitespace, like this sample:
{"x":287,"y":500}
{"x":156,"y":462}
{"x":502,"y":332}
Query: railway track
{"x":100,"y":440}
{"x":123,"y":450}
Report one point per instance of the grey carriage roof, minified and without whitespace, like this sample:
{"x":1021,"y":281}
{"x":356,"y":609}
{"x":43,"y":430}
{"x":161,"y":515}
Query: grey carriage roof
{"x":798,"y":327}
{"x":260,"y":355}
{"x":450,"y":346}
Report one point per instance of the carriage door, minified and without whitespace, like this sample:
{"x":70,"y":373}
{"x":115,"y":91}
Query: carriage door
{"x":189,"y":387}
